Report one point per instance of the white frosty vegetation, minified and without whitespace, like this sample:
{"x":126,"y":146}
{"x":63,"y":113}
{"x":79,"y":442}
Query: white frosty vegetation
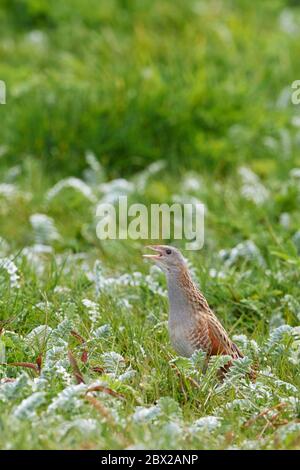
{"x":69,"y":399}
{"x":44,"y":229}
{"x":136,"y":279}
{"x":142,"y":179}
{"x":9,"y":267}
{"x":244,"y":251}
{"x":207,"y":423}
{"x":35,"y":256}
{"x":252,"y":188}
{"x":191,"y":183}
{"x":143,"y":414}
{"x":38,"y":336}
{"x":112,"y":190}
{"x":11,"y":191}
{"x":74,"y":183}
{"x":128,"y":367}
{"x":92,"y":309}
{"x":27,"y":408}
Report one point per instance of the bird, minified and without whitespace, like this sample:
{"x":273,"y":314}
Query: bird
{"x":192,"y":324}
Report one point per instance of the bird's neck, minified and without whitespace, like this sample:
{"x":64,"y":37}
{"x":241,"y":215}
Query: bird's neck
{"x":180,"y":279}
{"x":180,"y":291}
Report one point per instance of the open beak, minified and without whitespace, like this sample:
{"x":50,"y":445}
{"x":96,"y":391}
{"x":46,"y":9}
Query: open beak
{"x":157,"y":249}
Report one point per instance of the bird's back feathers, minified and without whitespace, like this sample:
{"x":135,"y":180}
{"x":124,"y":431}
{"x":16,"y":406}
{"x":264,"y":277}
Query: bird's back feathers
{"x":207,"y":332}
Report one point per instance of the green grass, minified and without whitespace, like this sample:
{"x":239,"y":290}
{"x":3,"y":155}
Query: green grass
{"x":205,"y":88}
{"x":143,"y":80}
{"x":253,"y":294}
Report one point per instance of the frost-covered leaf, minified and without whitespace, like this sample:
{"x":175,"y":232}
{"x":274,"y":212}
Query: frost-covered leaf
{"x":252,"y":188}
{"x":207,"y":423}
{"x":244,"y":251}
{"x":16,"y":389}
{"x":68,"y":400}
{"x":39,"y":336}
{"x":102,"y":332}
{"x":27,"y":408}
{"x":113,"y":362}
{"x":75,"y":184}
{"x":8,"y":266}
{"x":277,"y":336}
{"x":44,"y":229}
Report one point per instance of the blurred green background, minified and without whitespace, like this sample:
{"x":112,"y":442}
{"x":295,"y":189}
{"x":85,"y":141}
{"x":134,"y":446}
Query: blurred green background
{"x":162,"y":101}
{"x":204,"y":85}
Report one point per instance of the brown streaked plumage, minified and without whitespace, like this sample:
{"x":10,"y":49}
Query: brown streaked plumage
{"x":192,"y":324}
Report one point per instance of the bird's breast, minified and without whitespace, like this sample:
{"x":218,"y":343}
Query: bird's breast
{"x":180,"y":338}
{"x":181,"y":321}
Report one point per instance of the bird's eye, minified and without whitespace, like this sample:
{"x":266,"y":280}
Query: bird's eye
{"x":168,"y":251}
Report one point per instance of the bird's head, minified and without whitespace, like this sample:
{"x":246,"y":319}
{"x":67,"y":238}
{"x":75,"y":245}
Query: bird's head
{"x":168,"y":258}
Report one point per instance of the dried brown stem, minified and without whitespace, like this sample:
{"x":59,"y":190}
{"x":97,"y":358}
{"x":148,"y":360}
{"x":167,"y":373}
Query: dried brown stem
{"x":76,"y":371}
